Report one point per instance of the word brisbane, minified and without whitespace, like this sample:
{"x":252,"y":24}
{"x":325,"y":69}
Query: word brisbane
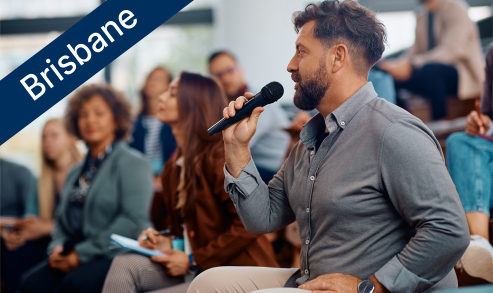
{"x":31,"y":81}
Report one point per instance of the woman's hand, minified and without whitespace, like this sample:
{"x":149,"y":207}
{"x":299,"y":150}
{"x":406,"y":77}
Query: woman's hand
{"x":12,"y":238}
{"x":63,"y":263}
{"x":33,"y":228}
{"x":176,"y":262}
{"x":476,"y":125}
{"x":153,"y":241}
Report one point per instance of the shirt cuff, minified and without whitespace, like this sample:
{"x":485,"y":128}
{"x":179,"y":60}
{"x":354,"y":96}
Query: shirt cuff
{"x":490,"y":132}
{"x":396,"y":278}
{"x":245,"y":184}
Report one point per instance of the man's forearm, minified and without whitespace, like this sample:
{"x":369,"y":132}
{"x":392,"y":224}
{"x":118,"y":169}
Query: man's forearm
{"x":237,"y":157}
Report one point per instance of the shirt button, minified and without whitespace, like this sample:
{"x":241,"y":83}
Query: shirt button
{"x":307,"y":210}
{"x":307,"y":241}
{"x":343,"y":123}
{"x":306,"y":272}
{"x":312,"y":178}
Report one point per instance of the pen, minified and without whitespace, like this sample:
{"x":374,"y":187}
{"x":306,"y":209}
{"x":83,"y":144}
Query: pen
{"x":162,"y":233}
{"x":478,"y":109}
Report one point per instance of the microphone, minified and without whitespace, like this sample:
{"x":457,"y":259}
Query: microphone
{"x":269,"y":94}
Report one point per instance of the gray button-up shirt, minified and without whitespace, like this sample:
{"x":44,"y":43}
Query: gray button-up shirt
{"x":376,"y":198}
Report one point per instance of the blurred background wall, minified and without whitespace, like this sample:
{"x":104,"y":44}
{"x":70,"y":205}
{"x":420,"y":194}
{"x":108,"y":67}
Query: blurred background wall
{"x":258,"y":32}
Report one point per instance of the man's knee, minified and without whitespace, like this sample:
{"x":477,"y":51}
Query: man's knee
{"x":207,"y":280}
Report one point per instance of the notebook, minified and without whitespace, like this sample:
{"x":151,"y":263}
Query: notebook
{"x":133,"y":245}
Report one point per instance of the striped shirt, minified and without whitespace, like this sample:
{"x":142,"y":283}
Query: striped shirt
{"x":152,"y":144}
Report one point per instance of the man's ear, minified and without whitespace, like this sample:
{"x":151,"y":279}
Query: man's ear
{"x":339,"y":57}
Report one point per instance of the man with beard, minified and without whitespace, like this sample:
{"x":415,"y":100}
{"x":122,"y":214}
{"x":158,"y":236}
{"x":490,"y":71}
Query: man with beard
{"x":446,"y":58}
{"x":367,"y":184}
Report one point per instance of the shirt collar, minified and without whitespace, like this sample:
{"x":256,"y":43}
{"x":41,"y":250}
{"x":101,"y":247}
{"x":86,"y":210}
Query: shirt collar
{"x":340,"y":117}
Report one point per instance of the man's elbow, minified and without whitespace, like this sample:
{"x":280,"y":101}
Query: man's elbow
{"x":459,"y":237}
{"x":256,"y":227}
{"x":463,"y":240}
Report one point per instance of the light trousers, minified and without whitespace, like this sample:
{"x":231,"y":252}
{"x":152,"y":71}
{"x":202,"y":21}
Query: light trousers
{"x":243,"y":280}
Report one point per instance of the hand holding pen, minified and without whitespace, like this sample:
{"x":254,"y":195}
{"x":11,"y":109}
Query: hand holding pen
{"x":477,"y":123}
{"x":150,"y":238}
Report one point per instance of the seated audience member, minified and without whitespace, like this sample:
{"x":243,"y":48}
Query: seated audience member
{"x":151,"y":136}
{"x":446,"y":58}
{"x":269,"y":145}
{"x":109,"y":192}
{"x":17,"y":185}
{"x":470,"y":163}
{"x":59,"y":153}
{"x":193,"y":204}
{"x":367,"y":184}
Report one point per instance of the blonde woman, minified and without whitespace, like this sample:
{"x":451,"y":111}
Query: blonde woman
{"x":32,"y":234}
{"x":59,"y":154}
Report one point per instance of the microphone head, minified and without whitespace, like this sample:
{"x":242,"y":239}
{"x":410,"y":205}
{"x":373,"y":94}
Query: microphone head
{"x":272,"y":92}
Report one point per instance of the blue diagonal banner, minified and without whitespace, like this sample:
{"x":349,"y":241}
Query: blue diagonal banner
{"x":75,"y":56}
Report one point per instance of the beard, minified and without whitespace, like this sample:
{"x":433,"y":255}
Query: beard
{"x":311,"y":89}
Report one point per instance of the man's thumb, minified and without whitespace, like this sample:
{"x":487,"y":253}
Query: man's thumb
{"x":252,"y":122}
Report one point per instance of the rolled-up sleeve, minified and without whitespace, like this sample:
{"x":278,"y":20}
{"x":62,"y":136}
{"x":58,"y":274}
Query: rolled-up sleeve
{"x":415,"y":177}
{"x":245,"y":184}
{"x":261,"y":208}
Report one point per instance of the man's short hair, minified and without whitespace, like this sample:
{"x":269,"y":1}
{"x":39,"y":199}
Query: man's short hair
{"x":217,"y":53}
{"x":349,"y":23}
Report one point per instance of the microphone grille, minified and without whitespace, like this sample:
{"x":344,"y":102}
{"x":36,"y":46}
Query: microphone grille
{"x":272,"y":91}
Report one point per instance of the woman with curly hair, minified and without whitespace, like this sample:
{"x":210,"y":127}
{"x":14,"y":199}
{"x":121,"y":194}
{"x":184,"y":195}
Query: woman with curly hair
{"x":193,"y":205}
{"x":109,"y":192}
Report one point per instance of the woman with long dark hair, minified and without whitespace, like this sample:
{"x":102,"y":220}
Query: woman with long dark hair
{"x":194,"y":205}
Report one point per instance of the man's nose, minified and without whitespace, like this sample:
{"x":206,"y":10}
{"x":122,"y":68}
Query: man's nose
{"x":293,"y":64}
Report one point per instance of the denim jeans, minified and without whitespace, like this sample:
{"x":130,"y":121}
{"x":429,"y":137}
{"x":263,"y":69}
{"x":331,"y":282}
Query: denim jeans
{"x":470,"y":164}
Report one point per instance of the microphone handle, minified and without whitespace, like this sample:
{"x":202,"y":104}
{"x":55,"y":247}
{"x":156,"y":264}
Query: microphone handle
{"x":247,"y":109}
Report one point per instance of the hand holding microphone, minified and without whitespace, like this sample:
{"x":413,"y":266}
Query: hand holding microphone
{"x":240,"y":122}
{"x":240,"y":132}
{"x":245,"y":107}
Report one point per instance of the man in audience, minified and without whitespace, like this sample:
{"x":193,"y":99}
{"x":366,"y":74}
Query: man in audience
{"x":445,"y":59}
{"x":270,"y":142}
{"x":17,"y":184}
{"x":367,"y":184}
{"x":470,"y":163}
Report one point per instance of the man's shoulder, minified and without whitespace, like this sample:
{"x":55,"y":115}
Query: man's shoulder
{"x":380,"y":116}
{"x":452,"y":8}
{"x":457,"y":4}
{"x":391,"y":123}
{"x":386,"y":113}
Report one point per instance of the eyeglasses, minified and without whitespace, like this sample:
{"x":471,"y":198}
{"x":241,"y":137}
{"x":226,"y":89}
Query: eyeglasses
{"x":227,"y":71}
